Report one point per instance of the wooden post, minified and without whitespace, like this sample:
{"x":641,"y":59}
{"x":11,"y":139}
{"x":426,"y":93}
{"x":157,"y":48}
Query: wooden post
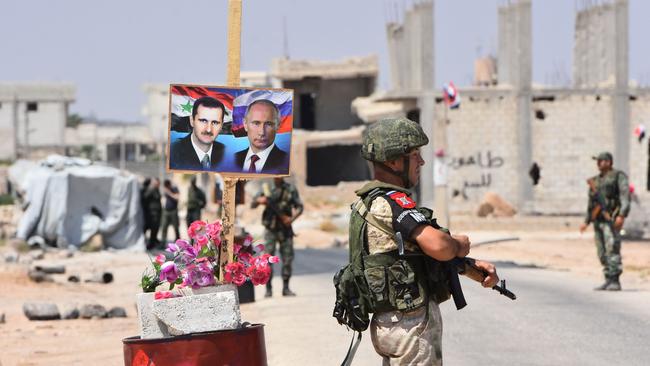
{"x":229,"y":183}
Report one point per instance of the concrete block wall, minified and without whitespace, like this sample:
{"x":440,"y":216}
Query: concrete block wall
{"x":575,"y":127}
{"x":482,"y":153}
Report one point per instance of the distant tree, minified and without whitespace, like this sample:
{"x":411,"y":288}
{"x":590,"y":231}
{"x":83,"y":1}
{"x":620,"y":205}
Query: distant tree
{"x":73,"y":120}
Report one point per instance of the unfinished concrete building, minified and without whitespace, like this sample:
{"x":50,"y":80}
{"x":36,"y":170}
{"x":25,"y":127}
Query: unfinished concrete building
{"x":327,"y":137}
{"x":33,"y":118}
{"x":499,"y":132}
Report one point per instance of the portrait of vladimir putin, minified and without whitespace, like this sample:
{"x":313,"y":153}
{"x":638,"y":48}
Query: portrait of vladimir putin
{"x":261,"y":123}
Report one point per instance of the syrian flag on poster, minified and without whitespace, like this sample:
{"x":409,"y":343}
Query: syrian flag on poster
{"x":450,"y":95}
{"x":282,"y":99}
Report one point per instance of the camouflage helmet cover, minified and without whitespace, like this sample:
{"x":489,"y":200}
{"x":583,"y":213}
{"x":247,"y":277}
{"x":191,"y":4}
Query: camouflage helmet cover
{"x":390,"y":138}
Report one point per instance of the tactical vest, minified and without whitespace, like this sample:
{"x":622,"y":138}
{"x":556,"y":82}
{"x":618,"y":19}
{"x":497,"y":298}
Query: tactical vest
{"x":395,"y":282}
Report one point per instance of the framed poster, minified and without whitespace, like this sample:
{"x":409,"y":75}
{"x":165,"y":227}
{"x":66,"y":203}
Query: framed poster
{"x":241,"y":132}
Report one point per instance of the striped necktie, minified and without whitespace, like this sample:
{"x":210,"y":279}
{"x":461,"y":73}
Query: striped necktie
{"x":205,"y":162}
{"x":254,"y":159}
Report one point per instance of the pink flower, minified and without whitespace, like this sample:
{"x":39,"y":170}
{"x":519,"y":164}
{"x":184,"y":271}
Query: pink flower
{"x":235,"y":273}
{"x":163,"y":295}
{"x":259,"y":275}
{"x":236,"y":248}
{"x":195,"y":228}
{"x":160,"y":258}
{"x":259,"y":248}
{"x":274,"y":259}
{"x":214,"y":230}
{"x":245,"y":258}
{"x":248,"y":241}
{"x":198,"y":275}
{"x":202,"y":240}
{"x":169,"y":272}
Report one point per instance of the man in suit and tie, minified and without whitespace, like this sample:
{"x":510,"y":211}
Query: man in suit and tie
{"x":261,"y":122}
{"x":199,"y":150}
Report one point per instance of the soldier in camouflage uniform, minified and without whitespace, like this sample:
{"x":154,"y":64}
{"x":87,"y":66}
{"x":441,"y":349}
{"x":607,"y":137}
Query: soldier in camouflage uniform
{"x":153,"y":207}
{"x":195,"y":202}
{"x":609,"y":205}
{"x":283,"y":206}
{"x":412,"y":336}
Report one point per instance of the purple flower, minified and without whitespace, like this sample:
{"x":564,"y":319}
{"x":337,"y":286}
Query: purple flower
{"x":169,"y":272}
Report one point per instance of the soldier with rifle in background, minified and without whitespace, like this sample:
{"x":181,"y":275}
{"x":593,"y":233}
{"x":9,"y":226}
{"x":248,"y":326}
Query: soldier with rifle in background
{"x":402,"y":264}
{"x":283,"y":206}
{"x":196,"y":201}
{"x":609,"y":205}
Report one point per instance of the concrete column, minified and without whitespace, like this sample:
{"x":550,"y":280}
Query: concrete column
{"x":523,"y":54}
{"x":620,"y":101}
{"x":14,"y":107}
{"x":64,"y":117}
{"x":426,"y":104}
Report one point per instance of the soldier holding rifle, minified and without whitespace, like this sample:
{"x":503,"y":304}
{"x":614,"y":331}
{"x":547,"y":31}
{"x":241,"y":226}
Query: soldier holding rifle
{"x":283,"y":206}
{"x":402,"y":260}
{"x":609,"y":205}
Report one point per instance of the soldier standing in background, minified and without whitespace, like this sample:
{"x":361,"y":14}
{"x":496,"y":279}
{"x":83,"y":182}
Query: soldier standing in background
{"x":153,"y":208}
{"x":143,"y":203}
{"x":170,"y":213}
{"x":195,"y":202}
{"x":283,"y":206}
{"x":609,"y":205}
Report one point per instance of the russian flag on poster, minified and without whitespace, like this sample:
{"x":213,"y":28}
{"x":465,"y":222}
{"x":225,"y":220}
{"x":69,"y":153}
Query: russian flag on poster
{"x":450,"y":95}
{"x":282,"y":99}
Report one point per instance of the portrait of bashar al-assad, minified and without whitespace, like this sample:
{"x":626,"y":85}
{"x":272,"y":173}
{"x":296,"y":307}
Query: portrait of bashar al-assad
{"x":261,"y":123}
{"x":199,"y":150}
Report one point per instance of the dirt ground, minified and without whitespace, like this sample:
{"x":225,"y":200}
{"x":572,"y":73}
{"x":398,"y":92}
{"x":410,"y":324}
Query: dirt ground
{"x":98,"y":341}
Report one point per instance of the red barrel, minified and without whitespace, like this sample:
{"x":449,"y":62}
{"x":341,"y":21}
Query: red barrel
{"x":244,"y":346}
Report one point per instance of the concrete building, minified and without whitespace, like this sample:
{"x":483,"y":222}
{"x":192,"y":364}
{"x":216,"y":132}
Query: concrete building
{"x":327,"y":134}
{"x":33,"y":118}
{"x":499,"y":132}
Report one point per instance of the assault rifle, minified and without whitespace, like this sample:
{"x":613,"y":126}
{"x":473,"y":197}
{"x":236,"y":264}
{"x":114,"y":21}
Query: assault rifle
{"x":465,"y":266}
{"x":273,"y":207}
{"x":600,"y":206}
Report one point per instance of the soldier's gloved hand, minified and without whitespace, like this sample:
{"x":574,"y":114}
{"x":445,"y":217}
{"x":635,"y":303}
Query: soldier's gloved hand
{"x":492,"y":278}
{"x":463,"y":245}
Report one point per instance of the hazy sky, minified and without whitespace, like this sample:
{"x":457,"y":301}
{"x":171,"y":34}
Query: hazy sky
{"x":109,"y":49}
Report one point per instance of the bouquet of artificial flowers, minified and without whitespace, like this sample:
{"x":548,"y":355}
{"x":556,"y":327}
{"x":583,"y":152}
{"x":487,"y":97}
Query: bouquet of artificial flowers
{"x":195,"y":263}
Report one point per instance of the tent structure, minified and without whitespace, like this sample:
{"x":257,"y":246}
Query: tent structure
{"x":68,"y":200}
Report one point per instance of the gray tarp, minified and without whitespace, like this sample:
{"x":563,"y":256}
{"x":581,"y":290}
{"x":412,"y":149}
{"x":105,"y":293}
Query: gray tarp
{"x":68,"y":200}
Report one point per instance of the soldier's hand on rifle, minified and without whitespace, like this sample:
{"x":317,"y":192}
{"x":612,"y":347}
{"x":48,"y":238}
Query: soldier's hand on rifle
{"x":583,"y":227}
{"x":492,"y":278}
{"x":618,"y":222}
{"x":463,"y":245}
{"x":286,"y":220}
{"x":261,"y":200}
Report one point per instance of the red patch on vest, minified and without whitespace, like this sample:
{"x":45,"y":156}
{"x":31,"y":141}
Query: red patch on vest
{"x":402,"y":199}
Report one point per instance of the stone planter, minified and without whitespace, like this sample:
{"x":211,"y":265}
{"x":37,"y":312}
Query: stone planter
{"x":203,"y":310}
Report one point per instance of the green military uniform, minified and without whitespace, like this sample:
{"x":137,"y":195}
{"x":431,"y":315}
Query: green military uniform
{"x":411,"y":335}
{"x":196,"y":201}
{"x":406,"y":326}
{"x":153,"y":207}
{"x":612,"y":191}
{"x":170,"y":215}
{"x":284,"y":198}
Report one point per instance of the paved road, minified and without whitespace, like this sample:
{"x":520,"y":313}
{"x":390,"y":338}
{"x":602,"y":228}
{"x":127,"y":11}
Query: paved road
{"x":556,"y":320}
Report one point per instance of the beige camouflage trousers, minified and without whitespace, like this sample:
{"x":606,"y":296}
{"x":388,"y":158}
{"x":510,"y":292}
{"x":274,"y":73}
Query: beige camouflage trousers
{"x":413,"y":338}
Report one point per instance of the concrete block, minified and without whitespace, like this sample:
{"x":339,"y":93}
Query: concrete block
{"x":89,"y":311}
{"x":41,"y":311}
{"x":203,"y":310}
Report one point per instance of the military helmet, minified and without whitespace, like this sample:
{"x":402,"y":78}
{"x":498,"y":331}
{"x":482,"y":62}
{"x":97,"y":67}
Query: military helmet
{"x":391,"y":138}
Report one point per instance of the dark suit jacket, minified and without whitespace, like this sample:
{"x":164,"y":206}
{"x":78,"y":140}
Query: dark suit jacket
{"x":183,"y":156}
{"x":277,"y":162}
